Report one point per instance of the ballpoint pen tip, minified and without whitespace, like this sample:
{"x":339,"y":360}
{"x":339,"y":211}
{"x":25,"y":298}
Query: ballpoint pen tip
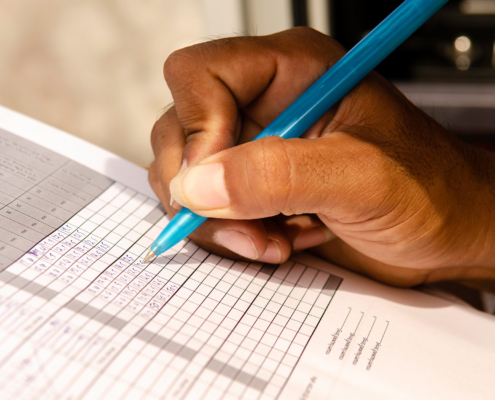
{"x":149,"y":256}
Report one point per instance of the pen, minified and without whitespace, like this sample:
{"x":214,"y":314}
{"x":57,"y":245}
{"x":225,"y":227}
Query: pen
{"x":321,"y":96}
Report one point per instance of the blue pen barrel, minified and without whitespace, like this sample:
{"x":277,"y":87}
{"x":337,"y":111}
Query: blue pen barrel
{"x":324,"y":93}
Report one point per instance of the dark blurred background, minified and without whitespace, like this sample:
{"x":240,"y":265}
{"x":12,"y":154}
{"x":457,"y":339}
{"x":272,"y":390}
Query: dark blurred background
{"x":447,"y":67}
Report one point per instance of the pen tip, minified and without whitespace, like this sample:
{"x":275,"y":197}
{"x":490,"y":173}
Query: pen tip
{"x":149,"y":256}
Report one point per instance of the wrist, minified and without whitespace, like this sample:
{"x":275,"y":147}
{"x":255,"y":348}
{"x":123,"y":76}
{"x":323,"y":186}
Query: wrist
{"x":487,"y":248}
{"x":475,"y":215}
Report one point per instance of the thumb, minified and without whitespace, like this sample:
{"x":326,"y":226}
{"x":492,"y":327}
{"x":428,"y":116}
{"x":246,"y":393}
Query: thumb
{"x":272,"y":176}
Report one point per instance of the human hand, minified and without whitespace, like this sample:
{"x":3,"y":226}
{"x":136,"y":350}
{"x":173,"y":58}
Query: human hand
{"x":407,"y":202}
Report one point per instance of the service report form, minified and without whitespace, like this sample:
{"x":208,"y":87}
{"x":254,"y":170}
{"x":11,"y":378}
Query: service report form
{"x":81,"y":316}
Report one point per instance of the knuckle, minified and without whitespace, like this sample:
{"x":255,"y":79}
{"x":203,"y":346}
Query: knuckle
{"x":179,"y":63}
{"x":307,"y":35}
{"x":158,"y":132}
{"x":305,"y":31}
{"x":310,"y":50}
{"x":153,"y":176}
{"x":190,"y":60}
{"x":228,"y":42}
{"x":163,"y":123}
{"x":167,"y":135}
{"x":192,"y":115}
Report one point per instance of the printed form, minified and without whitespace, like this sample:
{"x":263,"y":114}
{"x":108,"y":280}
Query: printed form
{"x":81,"y":317}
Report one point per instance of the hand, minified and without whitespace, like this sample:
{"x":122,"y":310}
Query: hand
{"x":375,"y":185}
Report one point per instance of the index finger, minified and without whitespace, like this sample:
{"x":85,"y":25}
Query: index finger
{"x":211,"y":81}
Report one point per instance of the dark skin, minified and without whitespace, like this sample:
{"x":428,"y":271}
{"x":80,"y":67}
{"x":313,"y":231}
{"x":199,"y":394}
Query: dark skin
{"x":375,"y":185}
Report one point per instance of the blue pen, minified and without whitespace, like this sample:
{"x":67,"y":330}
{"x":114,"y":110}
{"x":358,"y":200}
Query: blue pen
{"x":321,"y":96}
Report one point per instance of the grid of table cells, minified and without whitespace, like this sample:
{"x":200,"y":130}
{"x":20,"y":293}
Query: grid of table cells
{"x":39,"y":191}
{"x":82,"y":317}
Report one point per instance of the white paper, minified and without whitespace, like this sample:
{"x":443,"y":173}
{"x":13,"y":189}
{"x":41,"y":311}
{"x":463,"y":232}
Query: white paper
{"x":81,"y":317}
{"x":420,"y":346}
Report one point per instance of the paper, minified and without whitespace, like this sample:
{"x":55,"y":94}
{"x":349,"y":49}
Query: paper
{"x":82,"y":318}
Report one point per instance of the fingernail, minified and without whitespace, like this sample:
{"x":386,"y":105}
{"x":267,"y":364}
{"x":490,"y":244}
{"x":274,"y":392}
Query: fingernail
{"x":176,"y":206}
{"x":201,"y":187}
{"x":237,"y":242}
{"x":272,"y":255}
{"x":183,"y":166}
{"x":173,"y":203}
{"x":303,"y":222}
{"x":312,"y":237}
